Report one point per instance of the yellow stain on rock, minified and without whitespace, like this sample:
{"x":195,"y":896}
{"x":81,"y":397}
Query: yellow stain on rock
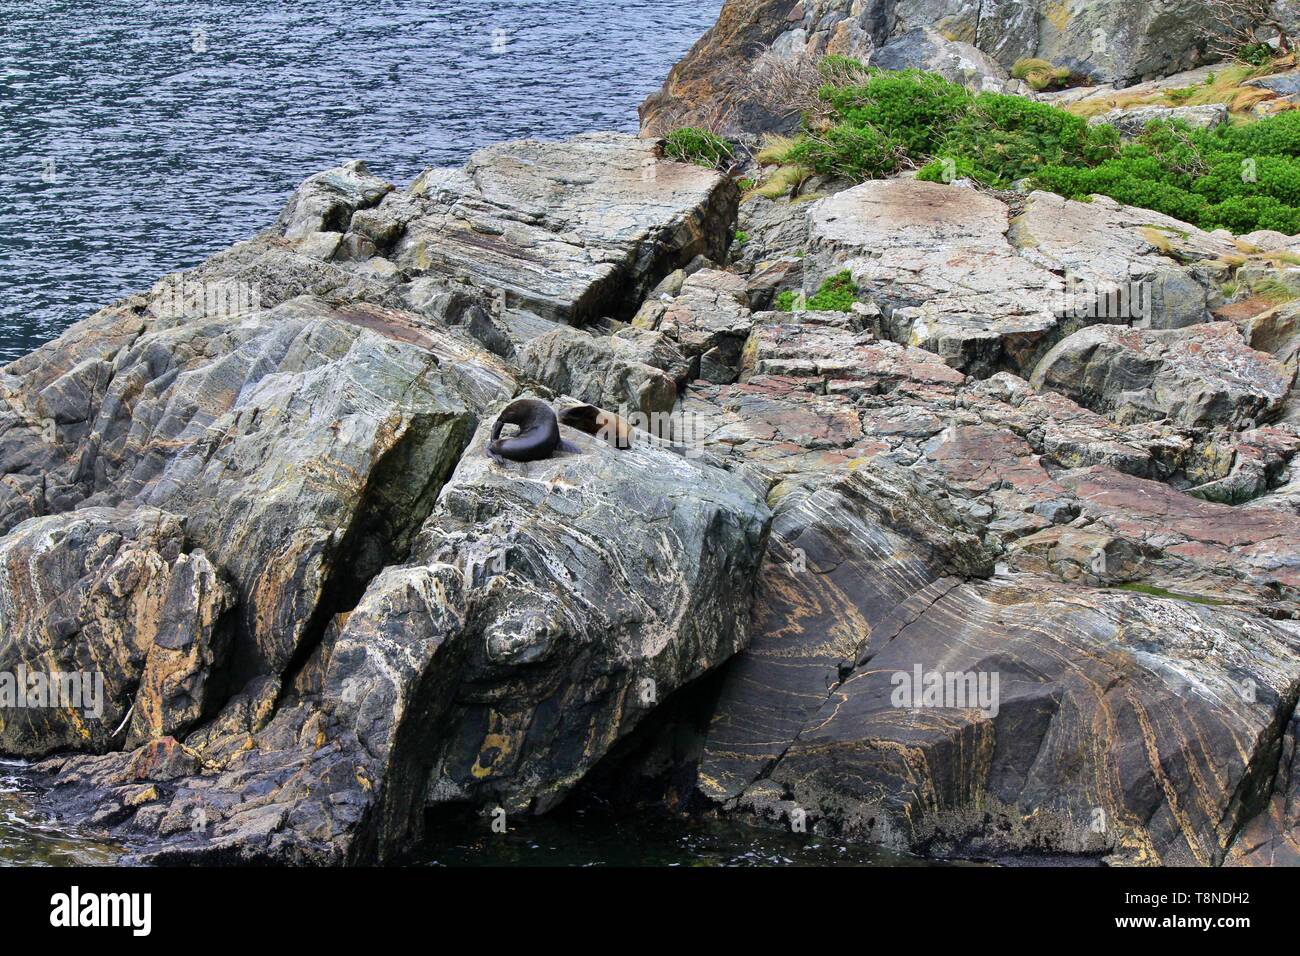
{"x":492,"y":742}
{"x":1058,"y":14}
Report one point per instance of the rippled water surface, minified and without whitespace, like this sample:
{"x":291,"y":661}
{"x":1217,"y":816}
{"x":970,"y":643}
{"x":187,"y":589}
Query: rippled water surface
{"x":137,"y":138}
{"x":29,"y":838}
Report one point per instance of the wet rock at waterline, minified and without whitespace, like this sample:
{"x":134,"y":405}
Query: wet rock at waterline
{"x":322,"y":607}
{"x":544,"y":611}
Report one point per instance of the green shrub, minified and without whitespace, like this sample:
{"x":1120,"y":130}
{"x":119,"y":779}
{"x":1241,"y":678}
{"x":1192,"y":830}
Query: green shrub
{"x":742,"y":237}
{"x":1236,"y":177}
{"x":909,"y":107}
{"x":785,"y":301}
{"x":698,"y":146}
{"x":837,"y":294}
{"x":1256,"y":54}
{"x":856,"y":152}
{"x":1005,"y":138}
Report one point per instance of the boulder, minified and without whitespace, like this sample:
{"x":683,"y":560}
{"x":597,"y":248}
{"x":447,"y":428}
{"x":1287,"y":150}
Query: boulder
{"x":1132,"y":122}
{"x":708,"y":320}
{"x":937,"y":262}
{"x":1123,"y":264}
{"x":604,"y":371}
{"x":326,"y":202}
{"x":113,"y":633}
{"x":567,"y":231}
{"x":543,"y":613}
{"x":924,"y":48}
{"x":302,"y":445}
{"x":1199,"y":377}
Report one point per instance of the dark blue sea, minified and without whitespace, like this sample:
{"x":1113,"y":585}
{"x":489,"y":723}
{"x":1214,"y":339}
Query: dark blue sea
{"x":139,"y":137}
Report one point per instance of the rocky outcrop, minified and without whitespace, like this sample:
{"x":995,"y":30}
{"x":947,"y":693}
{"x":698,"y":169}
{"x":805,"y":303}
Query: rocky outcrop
{"x":1104,"y":41}
{"x":567,"y":231}
{"x":709,"y":320}
{"x":605,"y":371}
{"x":112,"y":633}
{"x":257,"y":500}
{"x":936,"y":260}
{"x":543,"y":612}
{"x":1197,"y":377}
{"x":1082,"y":677}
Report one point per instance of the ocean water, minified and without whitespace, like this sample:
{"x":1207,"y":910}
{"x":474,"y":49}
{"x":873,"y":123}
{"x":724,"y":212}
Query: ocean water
{"x":140,"y":137}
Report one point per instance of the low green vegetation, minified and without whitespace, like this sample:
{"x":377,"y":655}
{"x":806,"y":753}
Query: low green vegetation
{"x":1040,"y":74}
{"x":741,"y":237}
{"x":837,"y":294}
{"x":1154,"y":591}
{"x":1242,"y":177}
{"x":698,"y":146}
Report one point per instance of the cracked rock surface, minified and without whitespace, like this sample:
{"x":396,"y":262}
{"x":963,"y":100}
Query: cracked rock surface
{"x":319,"y":608}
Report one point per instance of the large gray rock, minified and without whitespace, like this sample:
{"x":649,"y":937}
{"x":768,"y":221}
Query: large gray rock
{"x":605,"y":371}
{"x":1132,"y":122}
{"x":1198,"y":377}
{"x":1124,"y":264}
{"x":109,"y":631}
{"x":924,"y":48}
{"x":709,"y":320}
{"x":936,"y":260}
{"x":1085,"y":747}
{"x":543,"y":613}
{"x":567,"y":231}
{"x":303,"y":445}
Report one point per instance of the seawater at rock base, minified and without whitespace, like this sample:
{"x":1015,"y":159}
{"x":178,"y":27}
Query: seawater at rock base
{"x":30,"y":838}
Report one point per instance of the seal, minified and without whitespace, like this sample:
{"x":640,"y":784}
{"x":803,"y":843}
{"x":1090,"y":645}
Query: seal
{"x":539,"y":432}
{"x":598,"y":422}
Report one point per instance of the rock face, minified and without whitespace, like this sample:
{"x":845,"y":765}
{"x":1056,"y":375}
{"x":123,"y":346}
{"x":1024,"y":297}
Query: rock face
{"x":601,"y":370}
{"x":108,"y":602}
{"x":1002,"y":560}
{"x":543,"y":612}
{"x":938,"y":263}
{"x":708,"y":319}
{"x":1080,"y":679}
{"x":885,"y":569}
{"x":1104,"y":40}
{"x":264,"y":432}
{"x":1197,"y":377}
{"x":566,"y":231}
{"x":951,"y":270}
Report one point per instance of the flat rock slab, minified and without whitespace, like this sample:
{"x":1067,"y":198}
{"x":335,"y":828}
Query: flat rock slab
{"x":1123,"y":264}
{"x":937,"y":261}
{"x":568,"y":231}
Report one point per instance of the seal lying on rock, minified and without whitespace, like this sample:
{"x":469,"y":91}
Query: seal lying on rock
{"x":539,"y":432}
{"x":596,"y":421}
